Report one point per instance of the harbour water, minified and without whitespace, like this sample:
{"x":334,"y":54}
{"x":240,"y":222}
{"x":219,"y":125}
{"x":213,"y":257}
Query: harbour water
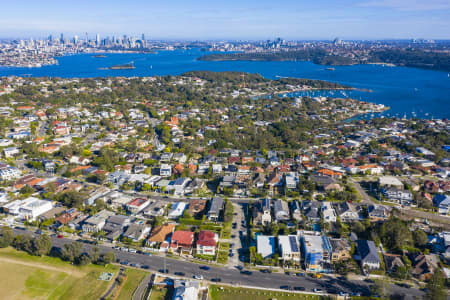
{"x":408,"y":92}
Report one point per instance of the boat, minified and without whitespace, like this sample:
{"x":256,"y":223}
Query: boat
{"x":128,"y":66}
{"x":330,"y":69}
{"x":100,"y":56}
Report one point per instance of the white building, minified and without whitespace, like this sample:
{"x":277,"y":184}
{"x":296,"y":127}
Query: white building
{"x":265,"y":245}
{"x":185,"y":290}
{"x":165,"y":170}
{"x":328,"y":212}
{"x":8,"y":172}
{"x":289,"y":248}
{"x":27,"y":209}
{"x":177,"y":210}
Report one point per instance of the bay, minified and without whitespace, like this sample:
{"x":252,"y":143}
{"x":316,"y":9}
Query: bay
{"x":407,"y":91}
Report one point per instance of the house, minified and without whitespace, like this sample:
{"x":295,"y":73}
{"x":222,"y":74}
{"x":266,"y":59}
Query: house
{"x":368,"y":254}
{"x":10,"y":152}
{"x":347,"y":212}
{"x":289,"y":248}
{"x":265,"y":246}
{"x":377,"y":213}
{"x":403,"y":197}
{"x":196,"y":207}
{"x":389,"y":181}
{"x":215,"y":208}
{"x":311,"y":210}
{"x":137,"y":232}
{"x":316,"y":251}
{"x":67,"y":216}
{"x":96,"y":222}
{"x":340,"y":249}
{"x":424,"y":266}
{"x":137,"y":205}
{"x":442,"y":202}
{"x":165,"y":170}
{"x":291,"y":180}
{"x":328,"y":213}
{"x":185,"y":290}
{"x":114,"y":226}
{"x":179,"y":185}
{"x":8,"y":172}
{"x":326,"y":183}
{"x":177,"y":210}
{"x":281,"y":210}
{"x":160,"y":234}
{"x":261,"y":212}
{"x":296,"y":210}
{"x":155,"y":209}
{"x":206,"y":242}
{"x":392,"y":262}
{"x":182,"y":241}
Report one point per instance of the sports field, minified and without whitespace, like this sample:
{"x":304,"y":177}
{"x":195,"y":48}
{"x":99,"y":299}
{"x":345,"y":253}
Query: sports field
{"x":28,"y":277}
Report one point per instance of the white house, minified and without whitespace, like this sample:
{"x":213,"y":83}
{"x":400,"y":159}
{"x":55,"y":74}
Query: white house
{"x":328,"y":212}
{"x":28,"y":209}
{"x":177,"y":210}
{"x":165,"y":170}
{"x":265,"y":245}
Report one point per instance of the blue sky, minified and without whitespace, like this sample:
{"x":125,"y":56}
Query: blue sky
{"x":229,"y":19}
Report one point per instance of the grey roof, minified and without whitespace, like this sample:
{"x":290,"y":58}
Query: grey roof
{"x":216,"y":205}
{"x":368,"y":251}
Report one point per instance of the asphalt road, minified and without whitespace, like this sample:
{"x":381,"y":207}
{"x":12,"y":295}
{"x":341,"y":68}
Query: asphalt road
{"x":234,"y":276}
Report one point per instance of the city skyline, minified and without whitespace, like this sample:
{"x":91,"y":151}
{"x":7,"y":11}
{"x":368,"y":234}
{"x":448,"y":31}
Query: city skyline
{"x":325,"y":19}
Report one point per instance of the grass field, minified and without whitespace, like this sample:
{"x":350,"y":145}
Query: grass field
{"x":160,"y":293}
{"x":134,"y":277}
{"x":29,"y":277}
{"x":229,"y":293}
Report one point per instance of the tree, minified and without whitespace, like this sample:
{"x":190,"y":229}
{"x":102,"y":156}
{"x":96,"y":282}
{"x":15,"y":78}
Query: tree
{"x":6,"y":237}
{"x":95,"y":254}
{"x":71,"y":252}
{"x":435,"y":287}
{"x":42,"y":245}
{"x":83,"y":260}
{"x":109,"y":257}
{"x":24,"y":243}
{"x":380,"y":288}
{"x":420,"y":238}
{"x":395,"y":234}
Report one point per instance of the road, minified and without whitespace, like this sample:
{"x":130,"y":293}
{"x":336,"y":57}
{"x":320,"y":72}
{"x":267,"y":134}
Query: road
{"x":233,"y":276}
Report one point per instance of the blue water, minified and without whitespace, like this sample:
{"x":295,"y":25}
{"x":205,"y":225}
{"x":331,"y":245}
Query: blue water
{"x":410,"y":91}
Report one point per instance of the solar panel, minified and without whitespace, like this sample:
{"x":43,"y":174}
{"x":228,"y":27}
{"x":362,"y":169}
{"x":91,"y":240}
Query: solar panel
{"x":294,"y":244}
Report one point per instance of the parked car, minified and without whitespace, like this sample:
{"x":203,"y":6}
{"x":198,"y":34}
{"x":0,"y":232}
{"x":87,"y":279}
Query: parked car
{"x":299,"y":288}
{"x":59,"y":236}
{"x":317,"y":290}
{"x":206,"y":268}
{"x":216,"y":279}
{"x":179,"y":273}
{"x":199,"y":277}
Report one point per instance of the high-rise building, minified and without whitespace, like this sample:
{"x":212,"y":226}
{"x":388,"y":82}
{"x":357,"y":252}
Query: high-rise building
{"x":61,"y":39}
{"x":97,"y":39}
{"x":75,"y":39}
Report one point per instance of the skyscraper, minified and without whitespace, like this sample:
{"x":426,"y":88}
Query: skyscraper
{"x":97,"y":39}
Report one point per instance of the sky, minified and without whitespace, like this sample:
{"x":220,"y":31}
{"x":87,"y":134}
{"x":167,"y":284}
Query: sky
{"x":228,"y":19}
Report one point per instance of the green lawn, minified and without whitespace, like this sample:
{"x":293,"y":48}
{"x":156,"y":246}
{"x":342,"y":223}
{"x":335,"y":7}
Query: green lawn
{"x":229,"y":293}
{"x":134,"y":278}
{"x":160,"y":293}
{"x":28,"y":277}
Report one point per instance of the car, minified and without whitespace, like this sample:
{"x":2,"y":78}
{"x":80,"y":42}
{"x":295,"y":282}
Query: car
{"x":344,"y":294}
{"x":124,"y":262}
{"x":317,"y":290}
{"x":300,"y":274}
{"x":145,"y":267}
{"x":124,"y":249}
{"x":266,"y":271}
{"x":60,"y":236}
{"x":246,"y":272}
{"x":239,"y":267}
{"x":287,"y":273}
{"x":285,"y":287}
{"x":163,"y":271}
{"x":199,"y":277}
{"x":206,"y":268}
{"x":216,"y":279}
{"x":179,"y":273}
{"x":39,"y":231}
{"x":356,"y":294}
{"x":299,"y":288}
{"x":131,"y":250}
{"x":233,"y":236}
{"x":148,"y":254}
